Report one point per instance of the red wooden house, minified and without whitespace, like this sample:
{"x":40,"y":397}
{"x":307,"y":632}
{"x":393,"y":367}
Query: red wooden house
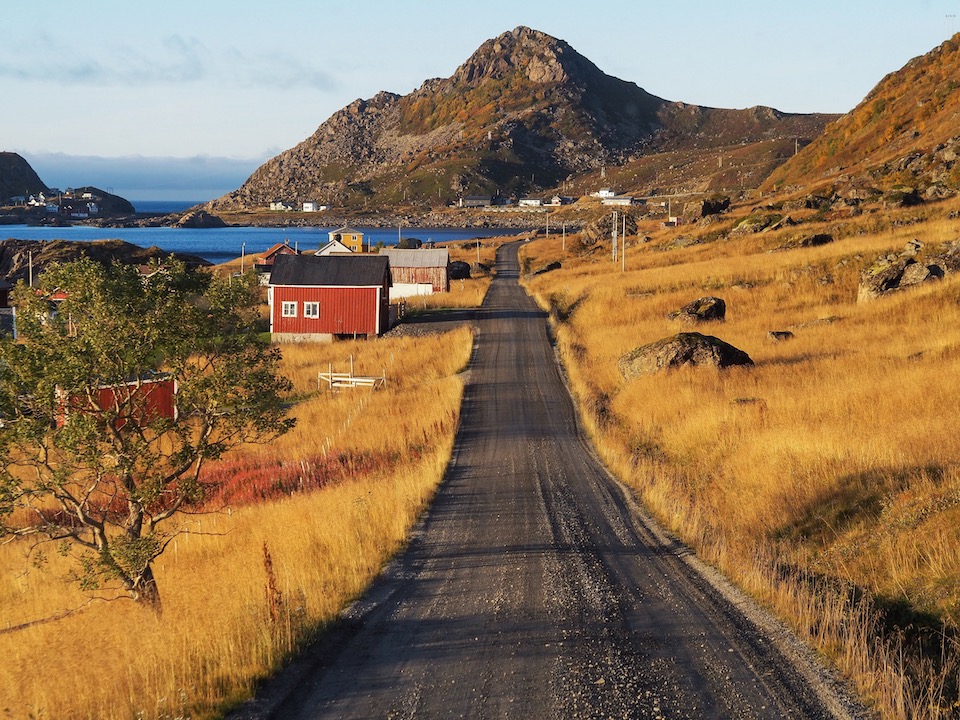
{"x":319,"y":298}
{"x":263,"y":264}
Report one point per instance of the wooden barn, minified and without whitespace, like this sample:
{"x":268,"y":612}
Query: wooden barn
{"x":418,"y":272}
{"x":319,"y":298}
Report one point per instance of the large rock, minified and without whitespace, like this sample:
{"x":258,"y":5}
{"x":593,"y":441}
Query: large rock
{"x":713,"y":205}
{"x":459,"y":270}
{"x":897,"y":272}
{"x":682,"y":349}
{"x":705,"y":309}
{"x":601,"y":230}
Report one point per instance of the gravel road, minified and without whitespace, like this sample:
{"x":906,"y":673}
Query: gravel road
{"x":534,"y":588}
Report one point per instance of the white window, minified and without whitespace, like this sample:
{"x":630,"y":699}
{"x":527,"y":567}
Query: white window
{"x":311,"y":309}
{"x":289,"y":309}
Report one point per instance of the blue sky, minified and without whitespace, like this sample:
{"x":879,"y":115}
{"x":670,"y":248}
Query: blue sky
{"x":199,"y":92}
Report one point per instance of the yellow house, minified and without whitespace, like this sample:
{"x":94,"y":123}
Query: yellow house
{"x":350,"y":237}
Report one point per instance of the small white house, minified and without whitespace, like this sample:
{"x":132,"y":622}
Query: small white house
{"x":313,"y":206}
{"x":617,"y":200}
{"x":280,"y":206}
{"x":605,"y":193}
{"x":334,"y":247}
{"x":530,"y":202}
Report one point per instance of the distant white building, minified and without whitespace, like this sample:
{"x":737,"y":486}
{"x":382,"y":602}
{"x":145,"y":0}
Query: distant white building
{"x":280,"y":206}
{"x":605,"y":193}
{"x":617,"y":200}
{"x":530,"y":202}
{"x":313,"y":206}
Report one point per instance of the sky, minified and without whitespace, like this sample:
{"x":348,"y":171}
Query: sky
{"x":183,"y":99}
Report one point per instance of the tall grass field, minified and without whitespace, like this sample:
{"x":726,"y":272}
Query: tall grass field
{"x":295,"y":530}
{"x":826,"y":477}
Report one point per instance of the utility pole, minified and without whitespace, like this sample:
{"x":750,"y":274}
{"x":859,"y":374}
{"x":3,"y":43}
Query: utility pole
{"x":564,"y":240}
{"x":623,"y":243}
{"x":796,"y":145}
{"x":243,"y":250}
{"x":614,"y":238}
{"x":548,"y":224}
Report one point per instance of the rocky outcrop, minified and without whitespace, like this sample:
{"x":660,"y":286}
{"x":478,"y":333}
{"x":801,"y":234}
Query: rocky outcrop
{"x":762,"y":222}
{"x":678,"y":350}
{"x":601,"y":230}
{"x":199,"y":219}
{"x":897,"y":272}
{"x":713,"y":205}
{"x":705,"y":309}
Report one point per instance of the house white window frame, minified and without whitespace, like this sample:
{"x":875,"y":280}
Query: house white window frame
{"x":311,"y":310}
{"x":288,"y":309}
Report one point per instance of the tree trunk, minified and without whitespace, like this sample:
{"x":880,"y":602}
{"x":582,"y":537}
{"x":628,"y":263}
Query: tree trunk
{"x":147,"y":593}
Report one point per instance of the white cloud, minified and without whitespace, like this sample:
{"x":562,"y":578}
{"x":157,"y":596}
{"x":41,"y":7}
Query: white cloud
{"x":176,"y":60}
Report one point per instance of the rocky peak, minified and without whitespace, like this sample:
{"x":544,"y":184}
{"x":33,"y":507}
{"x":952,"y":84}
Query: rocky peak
{"x":540,"y":58}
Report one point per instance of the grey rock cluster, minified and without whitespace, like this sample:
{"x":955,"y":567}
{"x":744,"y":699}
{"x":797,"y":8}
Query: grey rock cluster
{"x":901,"y":271}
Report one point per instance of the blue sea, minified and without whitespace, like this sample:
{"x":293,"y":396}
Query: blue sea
{"x":219,"y":245}
{"x":163,"y":207}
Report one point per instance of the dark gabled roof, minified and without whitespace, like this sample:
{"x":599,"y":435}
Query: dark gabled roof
{"x":327,"y":270}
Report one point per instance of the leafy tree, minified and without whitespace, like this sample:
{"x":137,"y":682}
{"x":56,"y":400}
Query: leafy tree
{"x":100,"y":473}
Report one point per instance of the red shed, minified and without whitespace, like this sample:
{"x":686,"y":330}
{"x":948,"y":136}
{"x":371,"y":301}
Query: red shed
{"x":143,"y":401}
{"x":318,"y":298}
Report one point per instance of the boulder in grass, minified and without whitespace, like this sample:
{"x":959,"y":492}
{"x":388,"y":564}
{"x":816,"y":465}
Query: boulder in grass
{"x":705,"y":309}
{"x":780,"y":335}
{"x":459,"y":270}
{"x":682,"y":349}
{"x":891,"y":274}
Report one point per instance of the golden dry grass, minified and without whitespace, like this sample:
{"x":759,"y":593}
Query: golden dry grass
{"x":833,"y":458}
{"x":214,"y":639}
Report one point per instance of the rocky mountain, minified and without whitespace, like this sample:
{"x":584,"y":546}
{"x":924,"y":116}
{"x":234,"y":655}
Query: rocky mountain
{"x":902,"y":139}
{"x":523,"y":114}
{"x":17,"y":177}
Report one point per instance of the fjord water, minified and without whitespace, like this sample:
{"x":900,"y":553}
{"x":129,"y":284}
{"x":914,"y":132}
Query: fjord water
{"x":219,"y":245}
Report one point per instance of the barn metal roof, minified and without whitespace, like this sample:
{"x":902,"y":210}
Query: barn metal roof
{"x":417,"y":258}
{"x":327,"y":270}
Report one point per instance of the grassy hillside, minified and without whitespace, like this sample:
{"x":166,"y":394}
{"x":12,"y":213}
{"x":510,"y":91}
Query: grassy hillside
{"x":826,"y":477}
{"x":904,"y":133}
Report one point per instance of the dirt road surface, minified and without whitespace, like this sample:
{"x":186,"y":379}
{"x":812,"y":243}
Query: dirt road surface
{"x":535,"y":589}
